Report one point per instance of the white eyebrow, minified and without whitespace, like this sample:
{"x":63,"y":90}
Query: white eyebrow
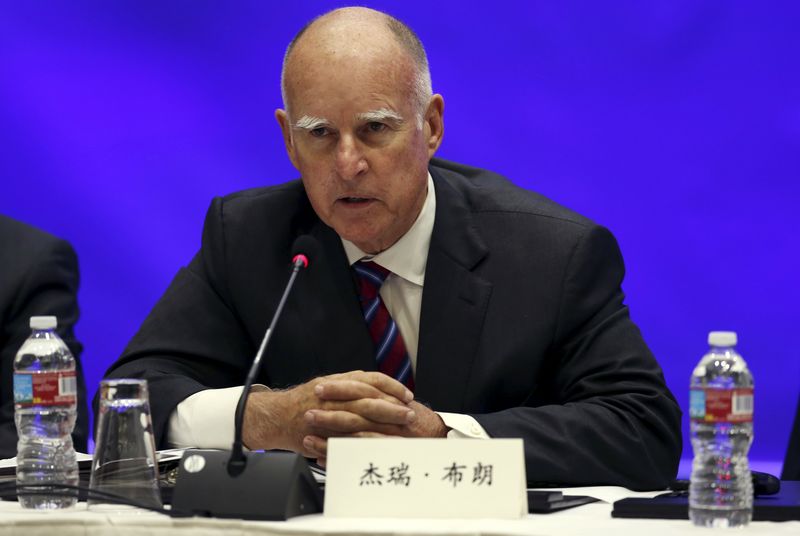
{"x":378,"y":116}
{"x":308,"y":122}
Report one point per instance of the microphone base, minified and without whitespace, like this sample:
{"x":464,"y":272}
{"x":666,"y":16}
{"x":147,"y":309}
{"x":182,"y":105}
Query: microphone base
{"x":274,"y":486}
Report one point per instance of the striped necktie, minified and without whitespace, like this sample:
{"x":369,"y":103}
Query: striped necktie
{"x":390,"y":350}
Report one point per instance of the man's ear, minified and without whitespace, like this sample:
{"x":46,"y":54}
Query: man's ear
{"x":286,"y":130}
{"x":434,"y":124}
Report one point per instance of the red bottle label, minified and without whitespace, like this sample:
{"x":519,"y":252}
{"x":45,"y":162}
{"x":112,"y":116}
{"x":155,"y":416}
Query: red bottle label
{"x":722,"y":405}
{"x":58,"y":388}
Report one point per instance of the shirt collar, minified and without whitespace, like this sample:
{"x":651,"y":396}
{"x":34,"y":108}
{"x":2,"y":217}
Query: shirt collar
{"x":408,"y":256}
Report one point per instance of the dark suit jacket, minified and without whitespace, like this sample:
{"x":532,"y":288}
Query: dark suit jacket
{"x":791,"y":463}
{"x":38,"y":276}
{"x":522,"y":325}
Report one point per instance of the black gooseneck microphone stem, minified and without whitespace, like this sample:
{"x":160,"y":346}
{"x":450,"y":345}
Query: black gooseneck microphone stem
{"x":238,"y":460}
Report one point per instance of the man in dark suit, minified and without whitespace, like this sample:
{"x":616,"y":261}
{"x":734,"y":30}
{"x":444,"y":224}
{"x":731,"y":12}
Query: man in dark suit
{"x":39,"y":276}
{"x":508,"y":307}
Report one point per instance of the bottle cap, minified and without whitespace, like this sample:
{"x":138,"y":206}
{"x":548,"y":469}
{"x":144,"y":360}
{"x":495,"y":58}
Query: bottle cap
{"x":43,"y":322}
{"x":722,"y":338}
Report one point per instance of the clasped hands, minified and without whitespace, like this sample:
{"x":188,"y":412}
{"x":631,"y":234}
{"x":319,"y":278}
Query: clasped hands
{"x":351,"y":404}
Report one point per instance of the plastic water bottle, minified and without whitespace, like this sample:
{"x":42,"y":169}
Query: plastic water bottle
{"x":721,"y":409}
{"x":45,"y":402}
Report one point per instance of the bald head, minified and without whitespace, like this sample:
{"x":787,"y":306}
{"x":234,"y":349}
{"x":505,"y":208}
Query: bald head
{"x":358,"y":34}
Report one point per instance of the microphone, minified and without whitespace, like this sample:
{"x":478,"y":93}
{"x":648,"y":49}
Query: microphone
{"x":251,"y":485}
{"x":304,"y":246}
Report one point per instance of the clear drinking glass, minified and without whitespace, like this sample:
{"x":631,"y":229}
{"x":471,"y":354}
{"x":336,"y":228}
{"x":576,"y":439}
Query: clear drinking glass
{"x":124,"y":460}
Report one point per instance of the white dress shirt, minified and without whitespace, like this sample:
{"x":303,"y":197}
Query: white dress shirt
{"x":205,"y":419}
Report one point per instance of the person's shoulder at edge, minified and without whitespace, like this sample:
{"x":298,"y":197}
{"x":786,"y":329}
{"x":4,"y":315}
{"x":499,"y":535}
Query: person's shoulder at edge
{"x":21,"y":234}
{"x":29,"y":243}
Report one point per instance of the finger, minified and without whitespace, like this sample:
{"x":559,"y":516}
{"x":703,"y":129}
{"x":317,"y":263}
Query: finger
{"x":334,"y":423}
{"x":384,"y":383}
{"x":343,"y":390}
{"x":374,"y":410}
{"x":368,"y":434}
{"x":381,"y":411}
{"x":315,"y":446}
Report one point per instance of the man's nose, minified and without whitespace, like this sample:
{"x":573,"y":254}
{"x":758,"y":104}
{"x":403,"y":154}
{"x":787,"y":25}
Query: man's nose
{"x":350,"y":159}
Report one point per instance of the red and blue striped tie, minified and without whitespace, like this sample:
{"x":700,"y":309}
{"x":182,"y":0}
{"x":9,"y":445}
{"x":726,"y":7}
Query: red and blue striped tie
{"x":390,"y":350}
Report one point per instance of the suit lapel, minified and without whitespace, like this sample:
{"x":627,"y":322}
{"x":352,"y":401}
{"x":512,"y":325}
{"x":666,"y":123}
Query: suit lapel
{"x":454,"y":301}
{"x":330,"y":310}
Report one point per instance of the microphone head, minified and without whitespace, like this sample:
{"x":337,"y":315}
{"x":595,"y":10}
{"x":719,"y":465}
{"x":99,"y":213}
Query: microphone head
{"x":304,"y":250}
{"x":301,"y":260}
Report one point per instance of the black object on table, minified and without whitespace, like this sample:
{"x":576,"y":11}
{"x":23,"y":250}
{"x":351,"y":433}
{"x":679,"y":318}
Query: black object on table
{"x":781,"y":506}
{"x":545,"y":502}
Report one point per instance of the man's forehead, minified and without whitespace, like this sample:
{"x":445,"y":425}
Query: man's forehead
{"x":373,"y":66}
{"x":346,"y":41}
{"x":338,"y":80}
{"x":348,"y":91}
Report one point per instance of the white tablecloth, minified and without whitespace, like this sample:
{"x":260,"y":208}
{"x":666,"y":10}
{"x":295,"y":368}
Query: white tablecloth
{"x":588,"y":519}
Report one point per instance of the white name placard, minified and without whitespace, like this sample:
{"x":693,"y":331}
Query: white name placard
{"x":440,"y":478}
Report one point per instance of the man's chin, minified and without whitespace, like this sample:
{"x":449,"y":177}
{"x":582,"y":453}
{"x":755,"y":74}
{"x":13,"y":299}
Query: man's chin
{"x":366,"y":242}
{"x":371,"y":248}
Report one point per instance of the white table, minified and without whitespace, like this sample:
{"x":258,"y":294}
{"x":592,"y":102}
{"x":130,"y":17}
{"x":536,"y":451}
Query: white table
{"x":588,"y":519}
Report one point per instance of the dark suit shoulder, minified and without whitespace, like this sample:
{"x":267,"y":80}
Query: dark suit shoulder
{"x":25,"y":240}
{"x":275,"y":193}
{"x":488,"y":192}
{"x":281,"y":210}
{"x":26,"y":246}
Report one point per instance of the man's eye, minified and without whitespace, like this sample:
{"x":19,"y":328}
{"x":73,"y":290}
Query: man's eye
{"x":375,"y":126}
{"x":318,"y":132}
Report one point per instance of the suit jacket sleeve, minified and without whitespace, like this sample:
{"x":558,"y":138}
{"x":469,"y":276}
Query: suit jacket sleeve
{"x":41,"y":278}
{"x":601,"y":413}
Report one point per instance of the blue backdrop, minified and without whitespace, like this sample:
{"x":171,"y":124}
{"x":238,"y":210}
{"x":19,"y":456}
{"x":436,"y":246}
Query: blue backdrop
{"x":676,"y":124}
